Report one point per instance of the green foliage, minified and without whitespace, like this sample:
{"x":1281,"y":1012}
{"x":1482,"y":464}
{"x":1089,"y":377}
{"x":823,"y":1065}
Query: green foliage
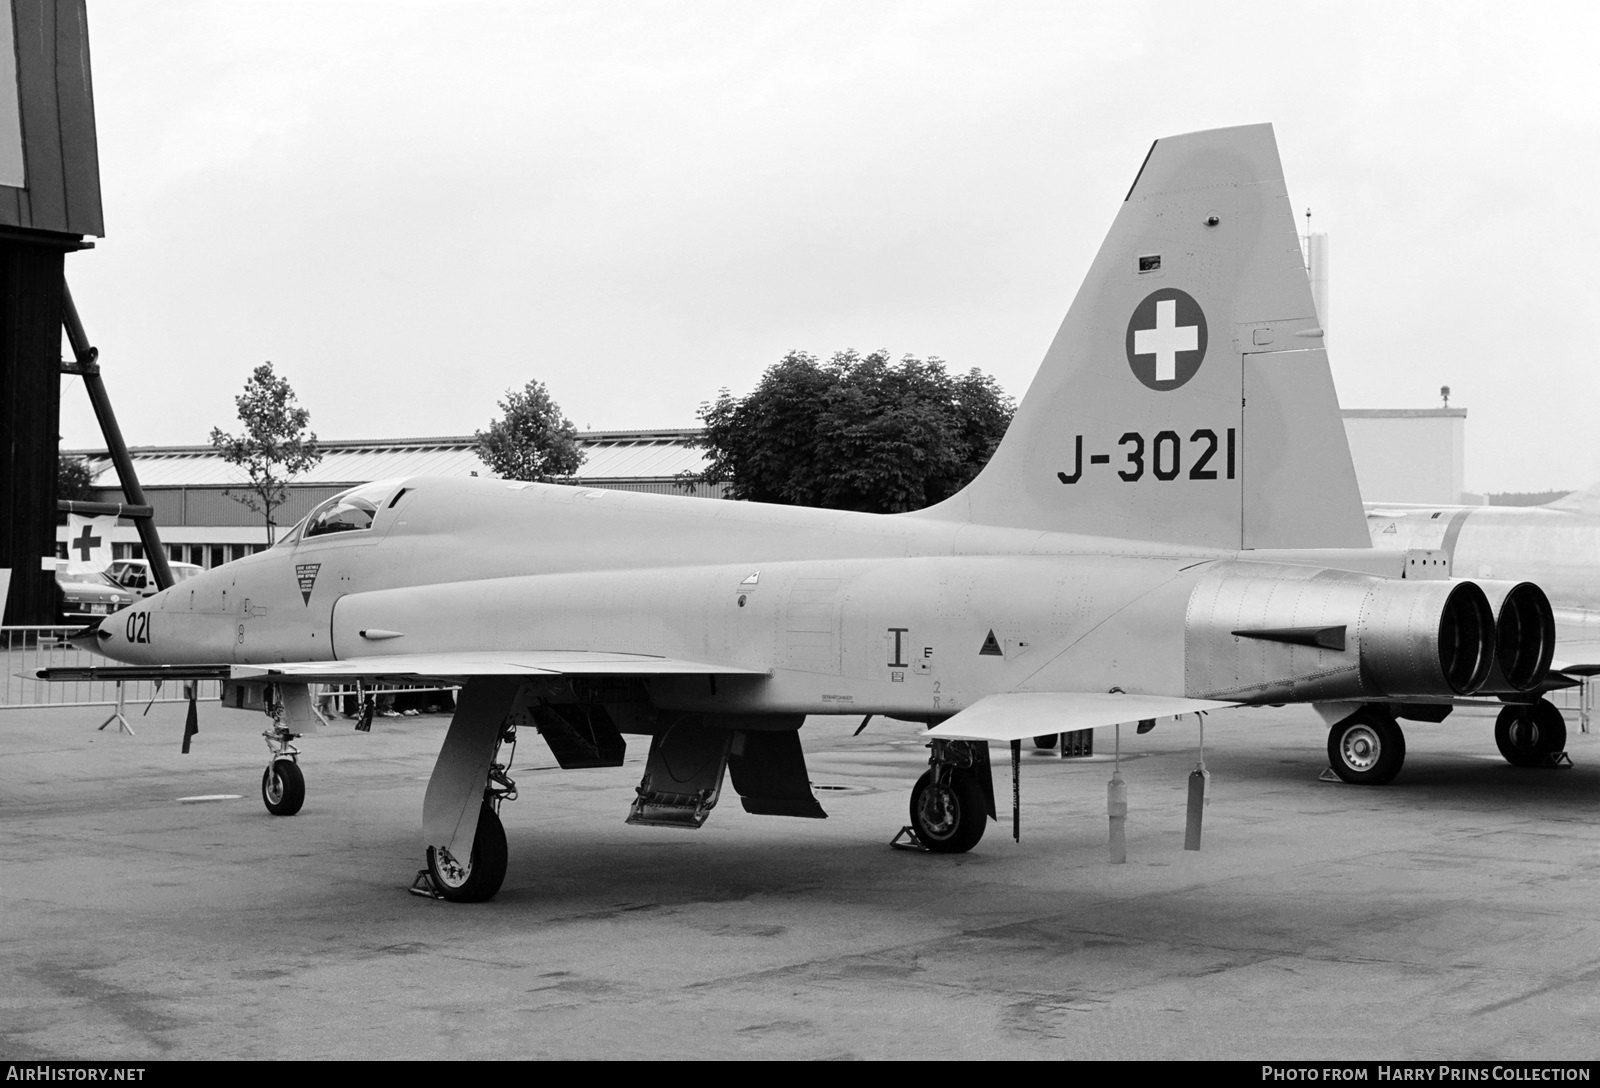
{"x":275,"y":446}
{"x":854,"y":433}
{"x":74,"y":477}
{"x":533,"y":441}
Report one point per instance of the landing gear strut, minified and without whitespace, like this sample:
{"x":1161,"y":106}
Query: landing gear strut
{"x":1367,"y":748}
{"x":1531,"y":735}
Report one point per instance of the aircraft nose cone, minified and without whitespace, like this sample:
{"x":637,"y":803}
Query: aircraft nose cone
{"x":89,"y":638}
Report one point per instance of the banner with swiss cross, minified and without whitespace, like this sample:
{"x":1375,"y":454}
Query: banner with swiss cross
{"x":89,"y":542}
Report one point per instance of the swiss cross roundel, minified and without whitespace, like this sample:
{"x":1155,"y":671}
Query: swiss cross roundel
{"x":1166,"y":339}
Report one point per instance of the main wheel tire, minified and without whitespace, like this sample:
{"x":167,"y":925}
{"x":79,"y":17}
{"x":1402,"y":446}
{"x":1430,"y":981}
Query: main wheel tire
{"x":1047,"y":741}
{"x":1528,"y":736}
{"x":283,"y":787}
{"x":949,"y":818}
{"x":483,"y":873}
{"x":1366,"y":749}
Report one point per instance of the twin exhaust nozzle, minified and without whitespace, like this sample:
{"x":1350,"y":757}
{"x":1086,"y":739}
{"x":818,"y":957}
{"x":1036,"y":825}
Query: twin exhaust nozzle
{"x":1494,"y":638}
{"x":1273,"y":632}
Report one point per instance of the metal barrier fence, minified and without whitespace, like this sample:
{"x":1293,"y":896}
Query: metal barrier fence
{"x":1578,"y":703}
{"x":25,"y":650}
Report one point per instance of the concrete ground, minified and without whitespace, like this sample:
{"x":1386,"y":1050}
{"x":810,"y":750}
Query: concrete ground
{"x":1452,"y":914}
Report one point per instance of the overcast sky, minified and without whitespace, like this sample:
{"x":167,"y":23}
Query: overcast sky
{"x":412,"y":207}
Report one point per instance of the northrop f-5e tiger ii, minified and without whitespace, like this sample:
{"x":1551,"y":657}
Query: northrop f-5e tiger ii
{"x":1171,"y":525}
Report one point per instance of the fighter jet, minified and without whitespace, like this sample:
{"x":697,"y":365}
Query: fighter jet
{"x":1171,"y":525}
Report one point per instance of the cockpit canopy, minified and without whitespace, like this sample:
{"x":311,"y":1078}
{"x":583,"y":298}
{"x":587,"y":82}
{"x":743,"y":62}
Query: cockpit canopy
{"x":350,"y":511}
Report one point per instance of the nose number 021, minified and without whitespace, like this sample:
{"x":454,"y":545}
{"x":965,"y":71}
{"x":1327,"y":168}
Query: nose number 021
{"x":138,"y":628}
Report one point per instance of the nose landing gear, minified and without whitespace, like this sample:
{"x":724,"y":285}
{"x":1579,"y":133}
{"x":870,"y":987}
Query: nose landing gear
{"x":283,"y":787}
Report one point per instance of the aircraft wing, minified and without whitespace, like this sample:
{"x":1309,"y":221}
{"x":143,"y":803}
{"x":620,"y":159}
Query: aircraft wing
{"x":1022,"y":714}
{"x":464,"y":664}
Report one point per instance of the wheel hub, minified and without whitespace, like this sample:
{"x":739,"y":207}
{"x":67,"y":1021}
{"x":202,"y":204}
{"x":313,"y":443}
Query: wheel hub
{"x":1360,"y":747}
{"x":1524,"y":735}
{"x":940,"y":812}
{"x":451,"y":872}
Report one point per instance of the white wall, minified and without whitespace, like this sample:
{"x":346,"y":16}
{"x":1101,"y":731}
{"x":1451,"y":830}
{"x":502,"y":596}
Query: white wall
{"x":1412,"y":455}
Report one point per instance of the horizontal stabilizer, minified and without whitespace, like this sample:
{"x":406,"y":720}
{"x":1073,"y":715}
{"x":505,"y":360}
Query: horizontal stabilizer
{"x":1022,"y":714}
{"x":447,"y":666}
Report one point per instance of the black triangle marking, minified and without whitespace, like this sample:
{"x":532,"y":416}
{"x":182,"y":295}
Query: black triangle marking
{"x":991,"y":647}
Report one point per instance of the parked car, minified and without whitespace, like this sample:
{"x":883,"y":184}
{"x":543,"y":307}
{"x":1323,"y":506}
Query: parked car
{"x":88,"y":595}
{"x":135,"y":575}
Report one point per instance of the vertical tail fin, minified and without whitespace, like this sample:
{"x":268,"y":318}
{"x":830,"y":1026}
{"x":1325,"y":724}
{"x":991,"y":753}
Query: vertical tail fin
{"x":1187,"y":396}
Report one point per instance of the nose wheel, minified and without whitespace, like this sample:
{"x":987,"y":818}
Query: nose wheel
{"x":283,"y":787}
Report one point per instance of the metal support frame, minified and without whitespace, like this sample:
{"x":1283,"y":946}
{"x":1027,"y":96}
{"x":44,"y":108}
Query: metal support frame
{"x":119,"y":715}
{"x":87,"y":365}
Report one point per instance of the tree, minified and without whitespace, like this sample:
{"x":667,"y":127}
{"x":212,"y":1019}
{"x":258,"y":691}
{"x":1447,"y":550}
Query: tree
{"x":533,"y":441}
{"x":275,"y":446}
{"x":854,"y":433}
{"x":74,"y":478}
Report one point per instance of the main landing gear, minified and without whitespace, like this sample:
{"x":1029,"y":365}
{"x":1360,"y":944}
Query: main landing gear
{"x":1367,"y":748}
{"x":1531,"y":734}
{"x":481,"y":875}
{"x":478,"y":877}
{"x":949,"y":805}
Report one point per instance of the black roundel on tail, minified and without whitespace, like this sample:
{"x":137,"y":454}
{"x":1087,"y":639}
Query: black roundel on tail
{"x":1166,"y":339}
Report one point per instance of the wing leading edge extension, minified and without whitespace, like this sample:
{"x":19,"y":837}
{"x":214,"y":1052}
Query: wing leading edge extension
{"x":445,"y":666}
{"x":434,"y":666}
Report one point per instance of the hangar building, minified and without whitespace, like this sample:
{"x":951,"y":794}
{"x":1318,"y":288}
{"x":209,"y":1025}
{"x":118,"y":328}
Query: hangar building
{"x":188,"y":486}
{"x":1401,"y":455}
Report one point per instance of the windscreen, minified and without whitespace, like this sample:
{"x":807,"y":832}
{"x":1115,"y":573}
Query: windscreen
{"x":350,"y":512}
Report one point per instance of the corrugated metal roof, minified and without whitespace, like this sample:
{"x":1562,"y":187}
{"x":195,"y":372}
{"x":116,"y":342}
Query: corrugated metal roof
{"x":612,"y":455}
{"x":633,"y":460}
